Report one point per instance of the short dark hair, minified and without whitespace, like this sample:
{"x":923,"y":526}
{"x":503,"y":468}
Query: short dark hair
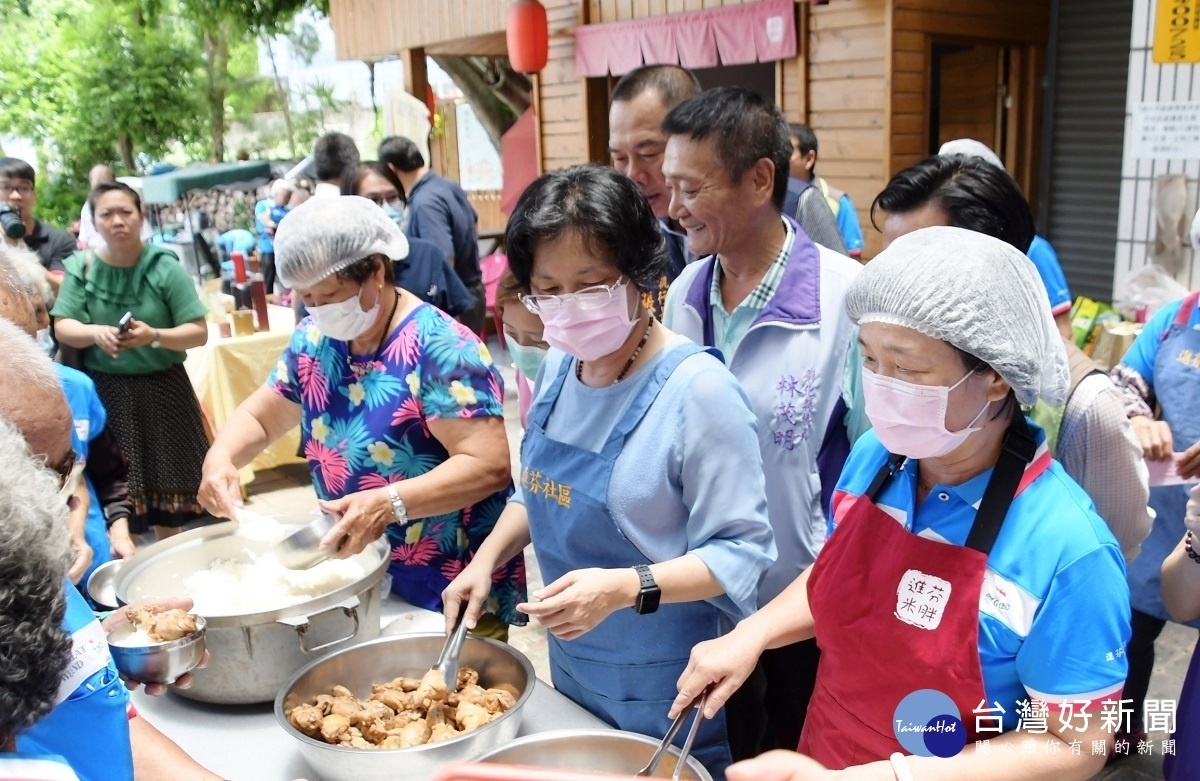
{"x":976,"y":195}
{"x":806,"y":137}
{"x":402,"y":153}
{"x":353,"y":177}
{"x":361,"y":270}
{"x":333,"y":154}
{"x":111,"y":187}
{"x":672,"y":83}
{"x":605,"y":208}
{"x":745,"y":128}
{"x":15,"y":168}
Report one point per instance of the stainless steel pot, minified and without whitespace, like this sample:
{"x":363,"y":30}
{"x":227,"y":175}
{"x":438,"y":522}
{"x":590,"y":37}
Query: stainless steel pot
{"x":254,"y":654}
{"x":382,"y":660}
{"x":602,"y":751}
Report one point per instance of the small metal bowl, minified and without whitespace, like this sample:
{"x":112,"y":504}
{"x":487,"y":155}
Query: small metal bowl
{"x":603,"y":751}
{"x":101,"y":584}
{"x":159,"y":663}
{"x":299,"y":549}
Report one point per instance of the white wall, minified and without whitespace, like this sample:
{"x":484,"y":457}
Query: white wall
{"x":1149,"y":81}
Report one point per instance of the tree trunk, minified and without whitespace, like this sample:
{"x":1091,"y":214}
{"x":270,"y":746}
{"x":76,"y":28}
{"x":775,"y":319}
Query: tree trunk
{"x":495,"y":113}
{"x":125,"y":148}
{"x":216,"y":56}
{"x":287,"y":97}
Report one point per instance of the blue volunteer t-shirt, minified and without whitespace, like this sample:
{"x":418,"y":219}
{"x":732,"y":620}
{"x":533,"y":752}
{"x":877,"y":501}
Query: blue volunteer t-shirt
{"x":1054,"y":606}
{"x":1045,"y":259}
{"x":1141,"y":354}
{"x":90,"y":418}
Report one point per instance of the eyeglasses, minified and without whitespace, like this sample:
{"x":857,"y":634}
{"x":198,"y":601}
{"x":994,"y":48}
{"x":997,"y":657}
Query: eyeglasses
{"x":592,"y":297}
{"x":23,"y":189}
{"x":69,"y":472}
{"x":380,"y":201}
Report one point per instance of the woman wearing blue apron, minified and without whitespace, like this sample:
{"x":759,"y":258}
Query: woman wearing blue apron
{"x":1162,"y":367}
{"x":641,"y":483}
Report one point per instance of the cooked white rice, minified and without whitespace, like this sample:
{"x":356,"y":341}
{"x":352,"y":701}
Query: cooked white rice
{"x":229,"y":588}
{"x":138,"y":638}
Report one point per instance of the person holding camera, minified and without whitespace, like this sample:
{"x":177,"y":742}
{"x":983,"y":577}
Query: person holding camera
{"x":133,"y":312}
{"x":18,"y":196}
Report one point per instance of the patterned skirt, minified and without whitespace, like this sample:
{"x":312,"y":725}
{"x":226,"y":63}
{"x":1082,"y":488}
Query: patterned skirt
{"x":157,"y":420}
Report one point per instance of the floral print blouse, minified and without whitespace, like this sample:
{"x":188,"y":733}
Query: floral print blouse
{"x":364,"y":426}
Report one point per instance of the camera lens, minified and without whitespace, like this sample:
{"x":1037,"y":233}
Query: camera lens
{"x":10,"y":219}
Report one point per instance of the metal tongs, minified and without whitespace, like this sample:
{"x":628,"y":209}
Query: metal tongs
{"x":447,"y":661}
{"x":652,"y":765}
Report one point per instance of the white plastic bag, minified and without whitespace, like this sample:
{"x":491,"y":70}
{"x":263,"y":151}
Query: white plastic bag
{"x":1146,"y":291}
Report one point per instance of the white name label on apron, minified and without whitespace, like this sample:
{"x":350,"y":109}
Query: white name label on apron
{"x":89,"y":655}
{"x":921,"y":599}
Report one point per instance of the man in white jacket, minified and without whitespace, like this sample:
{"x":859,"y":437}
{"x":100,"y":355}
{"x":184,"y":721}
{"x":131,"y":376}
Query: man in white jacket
{"x":771,"y":300}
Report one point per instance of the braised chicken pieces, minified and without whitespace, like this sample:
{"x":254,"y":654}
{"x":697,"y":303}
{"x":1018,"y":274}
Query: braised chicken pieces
{"x":162,"y":626}
{"x":403,"y":713}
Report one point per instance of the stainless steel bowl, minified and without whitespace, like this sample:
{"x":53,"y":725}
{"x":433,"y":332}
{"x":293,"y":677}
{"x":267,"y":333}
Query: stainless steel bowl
{"x":159,"y":663}
{"x":299,"y":550}
{"x":101,"y":584}
{"x":602,"y":751}
{"x":382,"y":660}
{"x":253,"y":654}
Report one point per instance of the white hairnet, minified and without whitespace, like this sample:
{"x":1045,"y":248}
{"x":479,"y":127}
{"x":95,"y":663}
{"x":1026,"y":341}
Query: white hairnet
{"x":325,"y":235}
{"x":969,"y":147}
{"x":975,"y":292}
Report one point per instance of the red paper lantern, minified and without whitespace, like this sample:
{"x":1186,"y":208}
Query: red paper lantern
{"x":528,"y":36}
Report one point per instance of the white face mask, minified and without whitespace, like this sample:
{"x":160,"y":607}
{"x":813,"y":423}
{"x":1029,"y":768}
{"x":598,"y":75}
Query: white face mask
{"x":46,"y":342}
{"x":344,"y":320}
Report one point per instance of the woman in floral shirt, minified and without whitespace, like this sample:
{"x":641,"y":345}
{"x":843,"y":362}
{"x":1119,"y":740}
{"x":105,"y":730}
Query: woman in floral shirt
{"x":400,"y":408}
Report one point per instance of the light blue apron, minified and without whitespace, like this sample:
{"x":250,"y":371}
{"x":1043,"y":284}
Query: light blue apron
{"x":90,"y":728}
{"x":1177,"y":386}
{"x":625,"y":670}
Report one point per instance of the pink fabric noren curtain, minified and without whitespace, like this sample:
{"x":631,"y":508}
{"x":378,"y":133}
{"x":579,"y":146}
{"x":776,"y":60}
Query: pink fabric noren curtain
{"x":734,"y":35}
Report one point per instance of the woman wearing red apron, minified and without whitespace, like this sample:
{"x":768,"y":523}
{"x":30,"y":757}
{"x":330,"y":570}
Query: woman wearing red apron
{"x":968,"y":599}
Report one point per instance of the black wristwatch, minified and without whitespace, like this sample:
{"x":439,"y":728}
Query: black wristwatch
{"x":648,"y":597}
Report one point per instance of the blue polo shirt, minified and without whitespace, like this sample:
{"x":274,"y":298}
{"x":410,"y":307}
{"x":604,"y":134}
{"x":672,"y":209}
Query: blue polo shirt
{"x":426,"y":274}
{"x":237,"y":240}
{"x":1045,"y":260}
{"x":90,"y":418}
{"x":438,"y":211}
{"x":1141,"y":354}
{"x":1054,"y":607}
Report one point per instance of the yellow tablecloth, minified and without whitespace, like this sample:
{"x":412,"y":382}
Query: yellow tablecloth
{"x":225,"y":372}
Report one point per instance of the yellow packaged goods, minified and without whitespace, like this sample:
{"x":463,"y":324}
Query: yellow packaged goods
{"x":1084,"y":314}
{"x":1112,"y":342}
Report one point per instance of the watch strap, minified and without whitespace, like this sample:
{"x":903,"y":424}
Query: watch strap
{"x":399,"y":509}
{"x":645,"y":576}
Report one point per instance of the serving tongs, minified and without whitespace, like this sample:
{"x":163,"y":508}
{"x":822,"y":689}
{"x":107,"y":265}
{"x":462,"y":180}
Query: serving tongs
{"x":447,"y":661}
{"x":652,"y":765}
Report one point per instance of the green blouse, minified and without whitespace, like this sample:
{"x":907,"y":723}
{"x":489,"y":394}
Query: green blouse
{"x":156,"y":290}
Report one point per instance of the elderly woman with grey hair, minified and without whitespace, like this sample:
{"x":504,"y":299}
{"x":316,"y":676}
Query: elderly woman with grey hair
{"x":40,"y":293}
{"x":35,"y":648}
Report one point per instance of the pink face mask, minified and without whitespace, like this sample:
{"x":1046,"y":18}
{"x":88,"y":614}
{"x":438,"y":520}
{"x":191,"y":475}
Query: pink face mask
{"x":910,"y":419}
{"x":588,"y":332}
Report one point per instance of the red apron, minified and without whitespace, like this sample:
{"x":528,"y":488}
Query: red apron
{"x":895,"y":612}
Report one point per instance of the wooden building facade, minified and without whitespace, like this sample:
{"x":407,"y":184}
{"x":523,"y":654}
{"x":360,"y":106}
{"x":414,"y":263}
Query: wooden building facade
{"x":883,"y":82}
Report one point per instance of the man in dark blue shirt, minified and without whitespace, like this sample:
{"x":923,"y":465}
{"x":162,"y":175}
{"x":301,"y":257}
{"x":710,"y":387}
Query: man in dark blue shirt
{"x":438,"y":211}
{"x":426,"y":275}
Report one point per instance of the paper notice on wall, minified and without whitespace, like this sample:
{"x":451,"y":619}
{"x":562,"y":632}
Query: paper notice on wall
{"x":1166,"y":131}
{"x":1177,"y":31}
